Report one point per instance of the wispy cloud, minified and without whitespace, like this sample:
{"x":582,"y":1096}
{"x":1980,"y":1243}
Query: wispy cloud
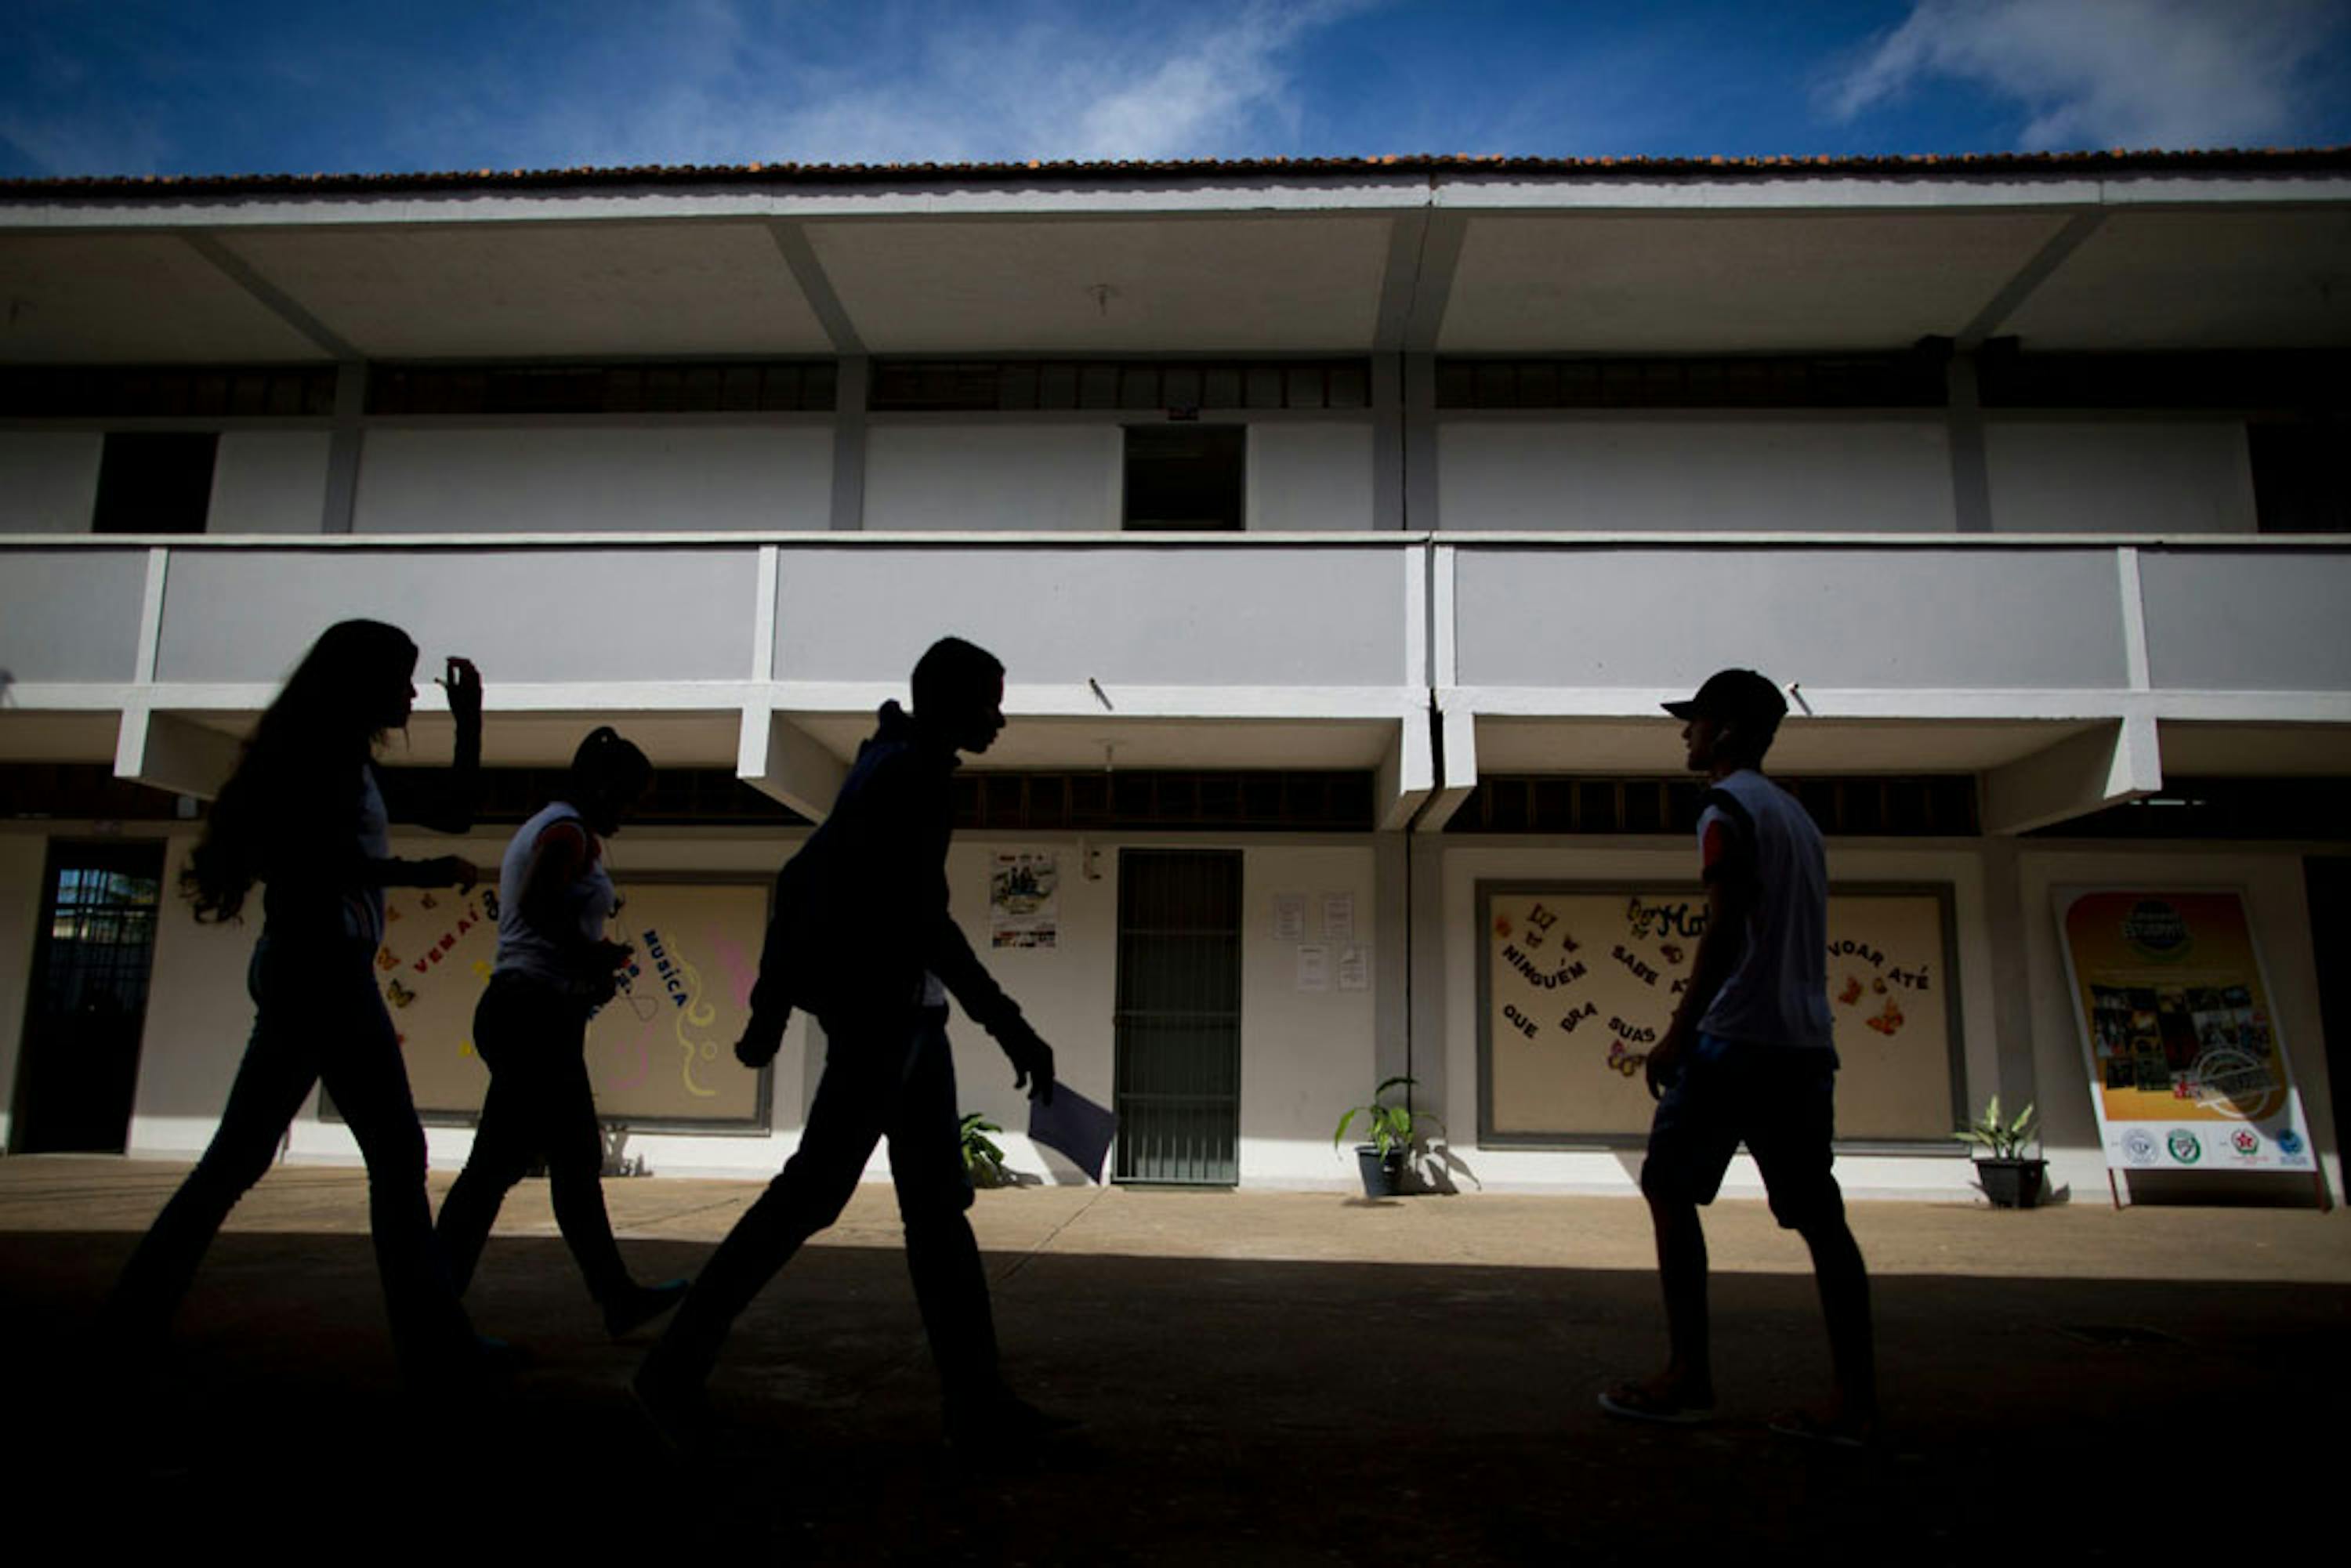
{"x":1044,"y":81}
{"x":2108,"y":73}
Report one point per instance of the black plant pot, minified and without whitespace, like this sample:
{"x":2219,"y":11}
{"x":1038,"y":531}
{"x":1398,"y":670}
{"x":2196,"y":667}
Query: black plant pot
{"x":2011,"y":1184}
{"x":1383,"y":1174}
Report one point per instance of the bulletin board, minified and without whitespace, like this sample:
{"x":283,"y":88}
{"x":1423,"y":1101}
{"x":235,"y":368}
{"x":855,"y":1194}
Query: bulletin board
{"x":660,"y":1053}
{"x":1577,"y":981}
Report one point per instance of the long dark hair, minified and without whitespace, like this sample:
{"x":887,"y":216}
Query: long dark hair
{"x":303,"y":760}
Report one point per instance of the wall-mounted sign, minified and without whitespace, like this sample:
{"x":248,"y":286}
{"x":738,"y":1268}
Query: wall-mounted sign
{"x":661,"y":1051}
{"x":1023,"y":899}
{"x":2188,"y":1070}
{"x":1576,"y":983}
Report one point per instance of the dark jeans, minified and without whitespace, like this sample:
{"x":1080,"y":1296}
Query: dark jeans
{"x":540,"y":1104}
{"x":879,"y":1082}
{"x":318,"y":1017}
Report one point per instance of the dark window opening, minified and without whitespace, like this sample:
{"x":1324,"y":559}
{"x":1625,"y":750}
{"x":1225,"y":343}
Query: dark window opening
{"x":2194,"y":807}
{"x":2301,"y":476}
{"x":1185,"y":476}
{"x":155,"y":482}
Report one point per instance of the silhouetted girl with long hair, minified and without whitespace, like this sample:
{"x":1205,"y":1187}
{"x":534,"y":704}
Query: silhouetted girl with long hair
{"x":303,"y":816}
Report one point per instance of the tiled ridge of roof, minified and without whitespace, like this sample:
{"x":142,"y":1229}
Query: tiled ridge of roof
{"x":2209,"y":160}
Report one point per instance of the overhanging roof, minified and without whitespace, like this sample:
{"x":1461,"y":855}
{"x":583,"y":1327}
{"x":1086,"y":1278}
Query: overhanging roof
{"x":2104,"y":251}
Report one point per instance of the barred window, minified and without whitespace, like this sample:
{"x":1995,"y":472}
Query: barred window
{"x":1017,"y":386}
{"x":1911,"y":380}
{"x":1928,"y":806}
{"x":167,"y":391}
{"x":783,"y":386}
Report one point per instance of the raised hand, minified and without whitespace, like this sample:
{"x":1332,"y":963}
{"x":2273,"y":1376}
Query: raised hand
{"x":464,"y":684}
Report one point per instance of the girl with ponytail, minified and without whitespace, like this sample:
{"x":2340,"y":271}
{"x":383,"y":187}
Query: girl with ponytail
{"x":554,"y":969}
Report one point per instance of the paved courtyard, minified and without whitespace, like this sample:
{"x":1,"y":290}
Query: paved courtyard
{"x":1264,"y":1377}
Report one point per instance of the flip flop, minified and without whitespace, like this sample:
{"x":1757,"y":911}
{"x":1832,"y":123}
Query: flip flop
{"x":1631,"y":1401}
{"x":1805,"y":1428}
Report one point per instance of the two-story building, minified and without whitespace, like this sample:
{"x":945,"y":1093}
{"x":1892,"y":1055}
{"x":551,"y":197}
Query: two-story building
{"x":1341,"y":524}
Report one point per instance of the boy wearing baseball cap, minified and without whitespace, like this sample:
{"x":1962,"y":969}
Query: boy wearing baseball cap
{"x":1748,"y":1059}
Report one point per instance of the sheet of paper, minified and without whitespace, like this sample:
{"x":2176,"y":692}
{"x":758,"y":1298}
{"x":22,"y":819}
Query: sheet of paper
{"x":1075,"y":1126}
{"x":1289,"y":916}
{"x":1313,"y":967}
{"x":1338,"y":918}
{"x":1355,"y":968}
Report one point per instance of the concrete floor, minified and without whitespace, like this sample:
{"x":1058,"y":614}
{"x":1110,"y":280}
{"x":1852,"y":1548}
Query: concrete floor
{"x":1265,"y":1377}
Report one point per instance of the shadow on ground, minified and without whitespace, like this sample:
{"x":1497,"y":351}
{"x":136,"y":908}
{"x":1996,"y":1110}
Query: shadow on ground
{"x":1235,"y":1412}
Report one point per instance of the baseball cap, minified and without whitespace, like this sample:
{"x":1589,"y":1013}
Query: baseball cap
{"x":1734,"y":695}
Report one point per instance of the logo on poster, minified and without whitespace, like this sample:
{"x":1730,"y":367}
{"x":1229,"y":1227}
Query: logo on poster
{"x":2138,"y":1147}
{"x":2246,"y":1142}
{"x":2184,"y":1145}
{"x":2156,"y":931}
{"x":2289,"y":1142}
{"x":2231,"y":1083}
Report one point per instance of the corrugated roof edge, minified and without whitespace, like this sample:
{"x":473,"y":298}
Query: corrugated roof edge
{"x":2216,"y":161}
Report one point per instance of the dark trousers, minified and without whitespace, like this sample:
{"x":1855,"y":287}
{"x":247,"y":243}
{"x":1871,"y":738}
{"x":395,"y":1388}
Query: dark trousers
{"x":540,"y":1105}
{"x":318,"y":1017}
{"x":879,"y":1082}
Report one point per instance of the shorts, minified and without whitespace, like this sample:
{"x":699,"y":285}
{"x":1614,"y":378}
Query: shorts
{"x":1780,"y":1101}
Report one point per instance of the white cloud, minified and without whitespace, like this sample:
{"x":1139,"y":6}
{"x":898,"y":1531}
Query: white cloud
{"x":2111,"y":73}
{"x":967,"y":83}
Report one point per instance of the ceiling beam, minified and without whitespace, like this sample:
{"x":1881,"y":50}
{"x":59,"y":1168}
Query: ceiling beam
{"x":816,"y":287}
{"x":2030,"y":277}
{"x":274,"y":300}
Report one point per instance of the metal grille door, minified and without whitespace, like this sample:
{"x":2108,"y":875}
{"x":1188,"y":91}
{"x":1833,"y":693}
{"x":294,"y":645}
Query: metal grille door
{"x":1179,"y":1017}
{"x":90,"y":998}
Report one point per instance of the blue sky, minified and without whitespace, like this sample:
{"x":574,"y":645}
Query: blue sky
{"x":139,"y":87}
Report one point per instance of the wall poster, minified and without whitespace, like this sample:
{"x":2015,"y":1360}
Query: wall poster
{"x":661,"y":1051}
{"x":2188,"y":1070}
{"x":1576,"y":982}
{"x":1023,"y":899}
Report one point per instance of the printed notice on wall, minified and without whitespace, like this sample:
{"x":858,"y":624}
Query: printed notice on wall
{"x":2188,"y":1068}
{"x":1023,"y":909}
{"x":1354,"y":970}
{"x":1313,"y":967}
{"x":1290,"y":917}
{"x":1580,"y":983}
{"x":658,"y":1051}
{"x":1338,"y":918}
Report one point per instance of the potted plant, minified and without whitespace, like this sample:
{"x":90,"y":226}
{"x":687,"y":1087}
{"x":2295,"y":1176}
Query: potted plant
{"x":1393,"y":1129}
{"x":983,"y":1158}
{"x":2009,"y":1179}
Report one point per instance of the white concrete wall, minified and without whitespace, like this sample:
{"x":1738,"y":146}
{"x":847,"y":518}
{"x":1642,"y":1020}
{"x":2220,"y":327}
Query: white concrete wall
{"x":1305,"y":1056}
{"x":2275,"y":899}
{"x":1450,"y":1067}
{"x":2119,"y":476}
{"x":269,"y":482}
{"x":49,"y":480}
{"x":23,"y":858}
{"x":595,"y":479}
{"x":1741,"y":475}
{"x":997,"y":475}
{"x":1303,"y":477}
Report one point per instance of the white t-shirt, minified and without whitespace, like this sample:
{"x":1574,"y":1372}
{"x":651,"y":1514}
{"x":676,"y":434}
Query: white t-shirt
{"x":1778,"y":993}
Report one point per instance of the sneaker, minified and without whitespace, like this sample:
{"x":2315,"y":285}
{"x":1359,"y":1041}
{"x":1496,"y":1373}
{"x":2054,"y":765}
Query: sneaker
{"x":637,"y":1305}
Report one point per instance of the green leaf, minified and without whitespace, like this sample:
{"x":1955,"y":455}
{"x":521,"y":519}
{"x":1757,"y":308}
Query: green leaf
{"x":1342,"y":1132}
